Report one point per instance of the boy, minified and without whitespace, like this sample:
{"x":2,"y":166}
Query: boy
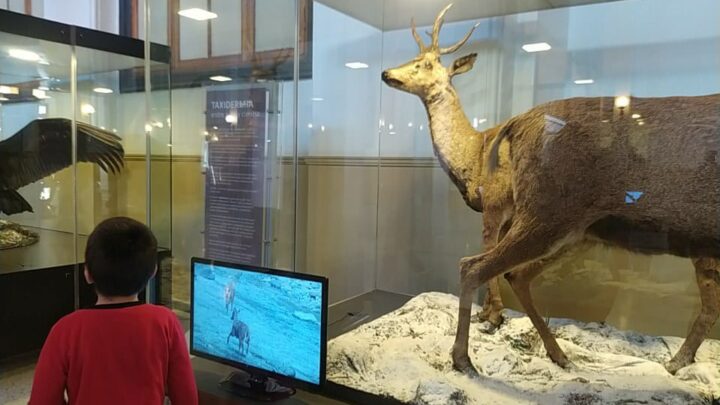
{"x":120,"y":351}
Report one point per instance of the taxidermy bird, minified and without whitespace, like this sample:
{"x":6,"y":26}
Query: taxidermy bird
{"x":43,"y":147}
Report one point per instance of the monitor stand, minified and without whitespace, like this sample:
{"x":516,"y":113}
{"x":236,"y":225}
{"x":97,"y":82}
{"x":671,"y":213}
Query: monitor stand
{"x":258,"y":388}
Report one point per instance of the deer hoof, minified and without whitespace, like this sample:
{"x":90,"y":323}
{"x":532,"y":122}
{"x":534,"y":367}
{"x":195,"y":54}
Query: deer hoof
{"x":561,"y":360}
{"x":461,"y":360}
{"x":465,"y":366}
{"x":493,"y":316}
{"x":674,"y":365}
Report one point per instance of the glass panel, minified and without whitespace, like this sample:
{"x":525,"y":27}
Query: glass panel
{"x":193,"y":33}
{"x":338,"y":147}
{"x":233,"y":174}
{"x":158,"y":136}
{"x":102,"y":15}
{"x":37,"y":258}
{"x":226,"y":27}
{"x":107,"y":104}
{"x":606,"y":120}
{"x":17,"y":6}
{"x":274,"y":24}
{"x":159,"y":21}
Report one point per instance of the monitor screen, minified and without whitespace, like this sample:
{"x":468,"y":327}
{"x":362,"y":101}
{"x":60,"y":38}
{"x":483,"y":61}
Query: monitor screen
{"x":269,"y":320}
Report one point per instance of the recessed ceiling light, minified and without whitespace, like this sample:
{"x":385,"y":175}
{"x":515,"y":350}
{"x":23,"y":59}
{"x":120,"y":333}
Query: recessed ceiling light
{"x":198,"y":14}
{"x":102,"y":90}
{"x":220,"y":78}
{"x":23,"y":54}
{"x":357,"y":65}
{"x":636,"y":116}
{"x":537,"y":47}
{"x":318,"y":99}
{"x":584,"y":81}
{"x":9,"y":90}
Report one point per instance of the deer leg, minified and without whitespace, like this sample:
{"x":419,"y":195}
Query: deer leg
{"x":461,"y":360}
{"x":522,"y":244}
{"x":492,"y":305}
{"x":520,"y":282}
{"x":708,"y":279}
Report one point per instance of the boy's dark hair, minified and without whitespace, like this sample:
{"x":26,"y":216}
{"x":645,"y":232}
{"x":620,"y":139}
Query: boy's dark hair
{"x":121,"y":256}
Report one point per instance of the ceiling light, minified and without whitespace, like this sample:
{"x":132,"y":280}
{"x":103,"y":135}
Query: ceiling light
{"x":87,"y":109}
{"x":536,"y":47}
{"x":584,"y":81}
{"x":220,"y":78}
{"x":4,"y":98}
{"x":44,"y":88}
{"x":198,"y":14}
{"x":356,"y":65}
{"x":102,"y":90}
{"x":318,"y":99}
{"x":622,"y":101}
{"x":22,"y":54}
{"x":39,"y":93}
{"x":636,"y":116}
{"x":9,"y":90}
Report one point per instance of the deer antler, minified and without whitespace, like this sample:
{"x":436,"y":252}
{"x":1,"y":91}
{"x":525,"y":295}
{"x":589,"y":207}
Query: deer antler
{"x":457,"y":46}
{"x":435,"y":35}
{"x":436,"y":27}
{"x":419,"y":40}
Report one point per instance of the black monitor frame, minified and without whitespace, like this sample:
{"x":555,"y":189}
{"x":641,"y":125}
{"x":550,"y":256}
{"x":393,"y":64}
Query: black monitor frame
{"x":259,"y":371}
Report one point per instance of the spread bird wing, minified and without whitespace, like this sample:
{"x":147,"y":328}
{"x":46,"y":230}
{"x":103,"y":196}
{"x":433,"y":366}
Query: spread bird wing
{"x":44,"y":146}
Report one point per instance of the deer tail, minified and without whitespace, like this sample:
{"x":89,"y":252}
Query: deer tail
{"x":494,"y":155}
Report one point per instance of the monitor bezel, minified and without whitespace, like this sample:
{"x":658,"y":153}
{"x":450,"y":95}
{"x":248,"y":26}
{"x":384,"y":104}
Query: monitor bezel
{"x":295,"y":382}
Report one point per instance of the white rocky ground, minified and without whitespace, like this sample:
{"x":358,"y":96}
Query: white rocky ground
{"x":406,"y":355}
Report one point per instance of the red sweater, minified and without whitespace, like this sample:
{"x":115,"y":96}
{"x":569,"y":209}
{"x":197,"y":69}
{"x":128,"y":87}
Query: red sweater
{"x":129,"y":353}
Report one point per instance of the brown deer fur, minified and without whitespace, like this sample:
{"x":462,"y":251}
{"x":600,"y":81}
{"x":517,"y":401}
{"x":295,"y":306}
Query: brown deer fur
{"x":555,"y":179}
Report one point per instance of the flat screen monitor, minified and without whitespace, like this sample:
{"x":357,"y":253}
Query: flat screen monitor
{"x":260,"y":320}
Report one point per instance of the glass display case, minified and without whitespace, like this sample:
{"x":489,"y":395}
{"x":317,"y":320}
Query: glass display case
{"x":366,"y":163}
{"x":381,"y":216}
{"x":85,"y":135}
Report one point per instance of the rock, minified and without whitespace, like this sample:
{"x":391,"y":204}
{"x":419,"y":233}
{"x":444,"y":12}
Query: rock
{"x":438,"y":393}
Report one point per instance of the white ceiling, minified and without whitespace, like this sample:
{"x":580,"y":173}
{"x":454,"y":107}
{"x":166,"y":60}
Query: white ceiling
{"x":395,"y":14}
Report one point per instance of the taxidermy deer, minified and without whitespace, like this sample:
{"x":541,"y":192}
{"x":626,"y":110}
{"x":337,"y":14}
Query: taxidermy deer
{"x":573,"y":173}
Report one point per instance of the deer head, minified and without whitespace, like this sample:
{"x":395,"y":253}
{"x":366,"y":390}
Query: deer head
{"x":424,"y":75}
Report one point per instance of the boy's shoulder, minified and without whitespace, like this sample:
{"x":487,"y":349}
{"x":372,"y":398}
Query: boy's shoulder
{"x":142,"y":310}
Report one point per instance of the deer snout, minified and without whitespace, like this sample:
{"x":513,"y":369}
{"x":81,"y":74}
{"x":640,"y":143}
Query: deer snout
{"x":390,"y":81}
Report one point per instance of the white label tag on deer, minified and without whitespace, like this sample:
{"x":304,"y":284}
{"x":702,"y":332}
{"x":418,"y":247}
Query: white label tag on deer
{"x":553,"y":125}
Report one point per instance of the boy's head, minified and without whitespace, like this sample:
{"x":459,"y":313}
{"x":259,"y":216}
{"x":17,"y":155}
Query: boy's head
{"x":120,"y":257}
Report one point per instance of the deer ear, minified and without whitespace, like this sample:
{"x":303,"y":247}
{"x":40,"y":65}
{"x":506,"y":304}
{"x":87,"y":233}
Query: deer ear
{"x":462,"y":65}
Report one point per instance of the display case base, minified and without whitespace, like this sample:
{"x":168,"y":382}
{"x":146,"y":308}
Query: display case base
{"x":406,"y":355}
